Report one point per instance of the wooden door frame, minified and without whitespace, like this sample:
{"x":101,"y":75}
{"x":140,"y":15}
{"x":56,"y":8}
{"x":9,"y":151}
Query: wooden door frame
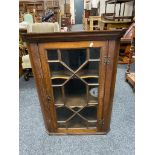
{"x":46,"y":72}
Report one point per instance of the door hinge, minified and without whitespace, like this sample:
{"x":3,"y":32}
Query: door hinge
{"x":106,"y":60}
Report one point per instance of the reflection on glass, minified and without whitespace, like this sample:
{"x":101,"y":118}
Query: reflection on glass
{"x":63,"y":113}
{"x":90,"y":113}
{"x":58,"y":98}
{"x":59,"y":71}
{"x":75,"y":92}
{"x":77,"y":122}
{"x":52,"y":55}
{"x":93,"y":94}
{"x":73,"y":58}
{"x":94,"y":53}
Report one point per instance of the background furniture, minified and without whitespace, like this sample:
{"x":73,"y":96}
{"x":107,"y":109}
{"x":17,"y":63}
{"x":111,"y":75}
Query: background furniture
{"x":75,"y":74}
{"x":109,"y":25}
{"x":66,"y":17}
{"x":38,"y":9}
{"x":43,"y":27}
{"x":85,"y":23}
{"x":34,"y":7}
{"x":54,"y":7}
{"x":91,"y":23}
{"x":24,"y":61}
{"x":130,"y":75}
{"x":125,"y":45}
{"x":66,"y":8}
{"x":66,"y":22}
{"x":113,"y":16}
{"x":28,"y":18}
{"x":86,"y":13}
{"x":94,"y":23}
{"x":52,"y":4}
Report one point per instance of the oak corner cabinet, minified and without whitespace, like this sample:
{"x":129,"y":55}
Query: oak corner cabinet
{"x":75,"y":76}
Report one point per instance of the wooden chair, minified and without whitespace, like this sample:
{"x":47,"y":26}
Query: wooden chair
{"x":36,"y":28}
{"x":126,"y":45}
{"x":130,"y":75}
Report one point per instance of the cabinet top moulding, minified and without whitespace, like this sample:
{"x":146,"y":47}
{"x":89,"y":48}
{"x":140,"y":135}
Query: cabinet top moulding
{"x":72,"y":36}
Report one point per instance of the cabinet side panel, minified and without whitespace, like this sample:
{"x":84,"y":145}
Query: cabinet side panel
{"x":38,"y":76}
{"x":49,"y":92}
{"x":110,"y":83}
{"x":102,"y":78}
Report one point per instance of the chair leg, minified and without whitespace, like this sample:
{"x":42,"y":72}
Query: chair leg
{"x":27,"y":74}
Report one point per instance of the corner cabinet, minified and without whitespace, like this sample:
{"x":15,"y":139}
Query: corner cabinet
{"x":75,"y":76}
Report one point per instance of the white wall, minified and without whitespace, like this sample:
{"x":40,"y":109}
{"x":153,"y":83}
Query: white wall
{"x":72,"y":11}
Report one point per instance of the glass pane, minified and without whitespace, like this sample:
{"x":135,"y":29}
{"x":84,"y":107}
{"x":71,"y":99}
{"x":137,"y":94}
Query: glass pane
{"x":75,"y":92}
{"x":91,"y":69}
{"x":73,"y":58}
{"x":94,"y":53}
{"x":89,"y":113}
{"x":58,"y":81}
{"x":63,"y":113}
{"x":76,"y":109}
{"x":74,"y":77}
{"x":52,"y":55}
{"x":59,"y":71}
{"x":92,"y":124}
{"x":57,"y":92}
{"x":91,"y":80}
{"x":61,"y":125}
{"x":77,"y":122}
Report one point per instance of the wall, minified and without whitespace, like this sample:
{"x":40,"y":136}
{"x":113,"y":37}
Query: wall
{"x":72,"y":11}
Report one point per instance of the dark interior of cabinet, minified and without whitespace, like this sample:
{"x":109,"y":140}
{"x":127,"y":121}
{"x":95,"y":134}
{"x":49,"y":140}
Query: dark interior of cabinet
{"x":74,"y":80}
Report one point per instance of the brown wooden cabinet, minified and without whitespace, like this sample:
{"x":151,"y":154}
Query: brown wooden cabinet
{"x":75,"y":76}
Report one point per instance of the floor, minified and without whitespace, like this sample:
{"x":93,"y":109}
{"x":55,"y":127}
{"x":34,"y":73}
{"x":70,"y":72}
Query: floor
{"x":77,"y":27}
{"x":119,"y":141}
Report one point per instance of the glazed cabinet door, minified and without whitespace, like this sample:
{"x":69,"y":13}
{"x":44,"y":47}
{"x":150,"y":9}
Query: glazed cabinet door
{"x":74,"y":76}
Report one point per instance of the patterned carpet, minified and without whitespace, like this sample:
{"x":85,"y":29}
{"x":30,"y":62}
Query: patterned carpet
{"x":119,"y":141}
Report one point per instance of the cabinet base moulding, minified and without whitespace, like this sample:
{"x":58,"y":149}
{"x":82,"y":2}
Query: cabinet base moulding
{"x":78,"y":132}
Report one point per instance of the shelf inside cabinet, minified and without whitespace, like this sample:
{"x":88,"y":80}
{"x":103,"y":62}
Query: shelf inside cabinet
{"x":90,"y":77}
